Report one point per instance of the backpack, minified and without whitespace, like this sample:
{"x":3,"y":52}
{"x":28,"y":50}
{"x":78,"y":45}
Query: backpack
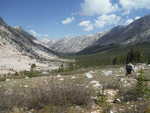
{"x":129,"y":67}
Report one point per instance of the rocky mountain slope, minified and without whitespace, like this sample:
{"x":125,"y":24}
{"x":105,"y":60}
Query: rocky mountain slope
{"x":73,"y":44}
{"x":134,"y":33}
{"x":19,"y":49}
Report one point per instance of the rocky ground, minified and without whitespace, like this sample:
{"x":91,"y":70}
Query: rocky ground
{"x":99,"y":90}
{"x":11,"y":61}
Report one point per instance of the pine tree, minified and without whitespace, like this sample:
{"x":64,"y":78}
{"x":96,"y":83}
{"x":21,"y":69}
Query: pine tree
{"x":148,"y":61}
{"x":135,"y":56}
{"x":140,"y":88}
{"x":130,"y":56}
{"x":114,"y":62}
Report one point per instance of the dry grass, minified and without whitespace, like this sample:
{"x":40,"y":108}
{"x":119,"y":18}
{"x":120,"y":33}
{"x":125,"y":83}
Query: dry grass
{"x":43,"y":92}
{"x":52,"y":94}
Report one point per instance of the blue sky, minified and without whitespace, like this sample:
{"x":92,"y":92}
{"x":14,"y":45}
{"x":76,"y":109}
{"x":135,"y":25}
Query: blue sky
{"x":59,"y":18}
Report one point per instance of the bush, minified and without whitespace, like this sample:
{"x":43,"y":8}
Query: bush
{"x":61,"y":68}
{"x":16,"y":110}
{"x":101,"y":98}
{"x":140,"y":91}
{"x":40,"y":95}
{"x":31,"y":73}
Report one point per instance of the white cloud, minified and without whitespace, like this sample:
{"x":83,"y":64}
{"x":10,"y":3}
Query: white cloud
{"x":135,"y":4}
{"x":107,"y":20}
{"x":102,"y":22}
{"x":87,"y":25}
{"x":68,"y":20}
{"x":100,"y":7}
{"x":97,"y":7}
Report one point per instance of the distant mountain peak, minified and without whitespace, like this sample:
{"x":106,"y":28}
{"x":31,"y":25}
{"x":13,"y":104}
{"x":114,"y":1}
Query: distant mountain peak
{"x":22,"y":41}
{"x":135,"y":33}
{"x":71,"y":45}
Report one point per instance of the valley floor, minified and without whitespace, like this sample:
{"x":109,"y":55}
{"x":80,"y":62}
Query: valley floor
{"x":93,"y":90}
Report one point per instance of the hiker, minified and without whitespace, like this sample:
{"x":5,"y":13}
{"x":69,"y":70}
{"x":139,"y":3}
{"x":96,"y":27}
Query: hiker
{"x":129,"y":69}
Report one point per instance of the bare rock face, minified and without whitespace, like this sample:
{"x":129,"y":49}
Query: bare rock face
{"x":74,"y":44}
{"x":137,"y":32}
{"x":134,"y":33}
{"x":18,"y":49}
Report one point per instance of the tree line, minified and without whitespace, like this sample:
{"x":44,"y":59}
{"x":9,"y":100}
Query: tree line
{"x":133,"y":56}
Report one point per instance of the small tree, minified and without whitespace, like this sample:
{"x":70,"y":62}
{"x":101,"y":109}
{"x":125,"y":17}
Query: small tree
{"x":101,"y":98}
{"x":33,"y":66}
{"x":140,"y":88}
{"x":148,"y":60}
{"x":114,"y":62}
{"x":61,"y":68}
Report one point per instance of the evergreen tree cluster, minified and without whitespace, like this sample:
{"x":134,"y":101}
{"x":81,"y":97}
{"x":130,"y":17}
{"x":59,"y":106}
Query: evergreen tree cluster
{"x":134,"y":56}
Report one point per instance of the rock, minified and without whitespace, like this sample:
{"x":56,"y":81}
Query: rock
{"x":7,"y":80}
{"x":107,"y":73}
{"x":26,"y":77}
{"x":110,"y":94}
{"x":117,"y":100}
{"x":26,"y":86}
{"x":89,"y":75}
{"x":78,"y":108}
{"x":45,"y":73}
{"x":111,"y":111}
{"x":58,"y":76}
{"x":31,"y":111}
{"x":61,"y":79}
{"x":94,"y":98}
{"x":127,"y":82}
{"x":73,"y":77}
{"x":121,"y":70}
{"x":117,"y":75}
{"x":96,"y":84}
{"x":97,"y":111}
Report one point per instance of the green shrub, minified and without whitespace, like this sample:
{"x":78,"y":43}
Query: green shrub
{"x":101,"y":98}
{"x":141,"y":90}
{"x":141,"y":86}
{"x":39,"y":95}
{"x":61,"y":68}
{"x":31,"y":73}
